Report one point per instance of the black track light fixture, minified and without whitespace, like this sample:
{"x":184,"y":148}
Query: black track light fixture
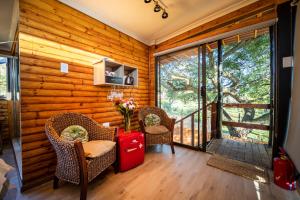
{"x":157,"y":8}
{"x":165,"y":15}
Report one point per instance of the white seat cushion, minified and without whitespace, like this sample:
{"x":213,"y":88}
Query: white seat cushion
{"x":96,"y":148}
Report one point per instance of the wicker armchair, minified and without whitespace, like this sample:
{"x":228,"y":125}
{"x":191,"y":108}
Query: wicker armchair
{"x":162,"y":134}
{"x":72,"y":165}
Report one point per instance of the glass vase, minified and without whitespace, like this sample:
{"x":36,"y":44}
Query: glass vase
{"x":127,"y":120}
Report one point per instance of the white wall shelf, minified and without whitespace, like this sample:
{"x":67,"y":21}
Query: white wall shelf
{"x":108,"y":72}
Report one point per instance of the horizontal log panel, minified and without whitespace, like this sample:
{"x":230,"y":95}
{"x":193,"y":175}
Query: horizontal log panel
{"x":245,"y":105}
{"x":62,"y":86}
{"x":4,"y":125}
{"x":38,"y":173}
{"x":33,"y":137}
{"x":89,"y":37}
{"x":47,"y":100}
{"x":35,"y":145}
{"x":54,"y":72}
{"x":33,"y":167}
{"x":36,"y":182}
{"x":71,"y":93}
{"x":49,"y":36}
{"x":39,"y":49}
{"x":69,"y":106}
{"x":45,"y":78}
{"x":60,"y":12}
{"x":87,"y":78}
{"x":53,"y":63}
{"x":246,"y":125}
{"x":69,"y":36}
{"x":48,"y":114}
{"x":36,"y":152}
{"x":25,"y":76}
{"x":38,"y":159}
{"x":32,"y":130}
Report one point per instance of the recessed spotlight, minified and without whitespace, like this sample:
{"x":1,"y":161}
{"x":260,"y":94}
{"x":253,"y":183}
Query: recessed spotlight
{"x":164,"y":15}
{"x":148,"y":1}
{"x":157,"y":8}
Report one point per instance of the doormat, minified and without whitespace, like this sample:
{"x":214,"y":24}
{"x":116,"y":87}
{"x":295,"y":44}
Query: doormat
{"x":239,"y":168}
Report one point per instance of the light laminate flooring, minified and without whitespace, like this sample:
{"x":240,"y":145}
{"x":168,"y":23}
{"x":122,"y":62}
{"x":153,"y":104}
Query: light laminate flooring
{"x":184,"y":175}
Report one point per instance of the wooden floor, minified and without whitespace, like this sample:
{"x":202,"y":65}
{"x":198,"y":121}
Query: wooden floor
{"x":184,"y":175}
{"x":253,"y":153}
{"x":8,"y":156}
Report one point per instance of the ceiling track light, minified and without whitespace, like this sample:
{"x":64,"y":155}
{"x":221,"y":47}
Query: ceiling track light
{"x":158,"y":8}
{"x":165,"y":14}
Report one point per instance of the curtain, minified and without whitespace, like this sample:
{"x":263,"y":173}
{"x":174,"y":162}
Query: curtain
{"x":292,"y":143}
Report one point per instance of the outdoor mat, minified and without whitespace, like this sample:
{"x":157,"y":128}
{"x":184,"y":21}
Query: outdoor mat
{"x":239,"y":168}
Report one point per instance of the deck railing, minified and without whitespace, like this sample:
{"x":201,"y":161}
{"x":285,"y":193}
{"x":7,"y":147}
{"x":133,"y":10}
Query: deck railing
{"x":244,"y":124}
{"x":212,"y":122}
{"x":192,"y":123}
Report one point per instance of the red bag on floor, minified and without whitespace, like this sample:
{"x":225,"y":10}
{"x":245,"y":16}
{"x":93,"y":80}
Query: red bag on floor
{"x":131,"y":149}
{"x":284,"y":172}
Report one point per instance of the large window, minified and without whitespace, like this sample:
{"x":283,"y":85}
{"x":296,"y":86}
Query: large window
{"x":3,"y":77}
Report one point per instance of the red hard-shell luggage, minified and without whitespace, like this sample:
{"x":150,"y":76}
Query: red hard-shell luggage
{"x":131,"y":149}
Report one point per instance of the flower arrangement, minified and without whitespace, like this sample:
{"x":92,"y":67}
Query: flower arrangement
{"x":126,"y":108}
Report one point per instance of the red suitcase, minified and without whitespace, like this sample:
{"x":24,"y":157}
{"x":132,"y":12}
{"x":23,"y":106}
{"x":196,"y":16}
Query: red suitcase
{"x":131,"y":149}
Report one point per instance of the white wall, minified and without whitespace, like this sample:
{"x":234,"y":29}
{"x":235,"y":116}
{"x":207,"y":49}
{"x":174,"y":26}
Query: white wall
{"x":292,"y":144}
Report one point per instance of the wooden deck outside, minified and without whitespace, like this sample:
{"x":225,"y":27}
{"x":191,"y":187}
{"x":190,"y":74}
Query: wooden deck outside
{"x":253,"y":153}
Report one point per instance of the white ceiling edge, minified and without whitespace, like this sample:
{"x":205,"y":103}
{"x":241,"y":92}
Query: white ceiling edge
{"x":202,"y":21}
{"x":14,"y":20}
{"x":195,"y":24}
{"x":94,"y":15}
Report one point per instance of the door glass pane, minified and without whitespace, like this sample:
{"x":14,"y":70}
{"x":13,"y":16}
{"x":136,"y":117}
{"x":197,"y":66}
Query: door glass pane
{"x":178,"y":91}
{"x":211,"y":83}
{"x":246,"y":81}
{"x":3,"y":77}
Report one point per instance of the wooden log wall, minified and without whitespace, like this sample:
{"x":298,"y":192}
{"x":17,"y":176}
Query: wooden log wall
{"x":257,"y":12}
{"x":51,"y":33}
{"x":4,"y":119}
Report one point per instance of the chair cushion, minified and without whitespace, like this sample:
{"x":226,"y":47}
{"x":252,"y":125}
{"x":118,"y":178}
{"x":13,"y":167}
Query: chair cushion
{"x":96,"y":148}
{"x":156,"y":129}
{"x":152,"y":120}
{"x":75,"y":133}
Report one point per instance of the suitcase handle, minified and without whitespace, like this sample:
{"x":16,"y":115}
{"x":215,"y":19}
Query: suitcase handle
{"x":130,"y":150}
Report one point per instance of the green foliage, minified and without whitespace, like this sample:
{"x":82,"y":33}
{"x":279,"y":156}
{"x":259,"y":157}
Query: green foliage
{"x":3,"y":80}
{"x":245,"y":79}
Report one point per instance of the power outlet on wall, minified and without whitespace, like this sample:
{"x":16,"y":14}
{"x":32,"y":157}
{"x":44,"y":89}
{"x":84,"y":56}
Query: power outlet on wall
{"x":64,"y":67}
{"x":106,"y":124}
{"x":287,"y":61}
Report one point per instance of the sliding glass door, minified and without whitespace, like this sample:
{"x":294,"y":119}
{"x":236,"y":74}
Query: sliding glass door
{"x":178,"y":93}
{"x":190,"y":82}
{"x":182,"y":94}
